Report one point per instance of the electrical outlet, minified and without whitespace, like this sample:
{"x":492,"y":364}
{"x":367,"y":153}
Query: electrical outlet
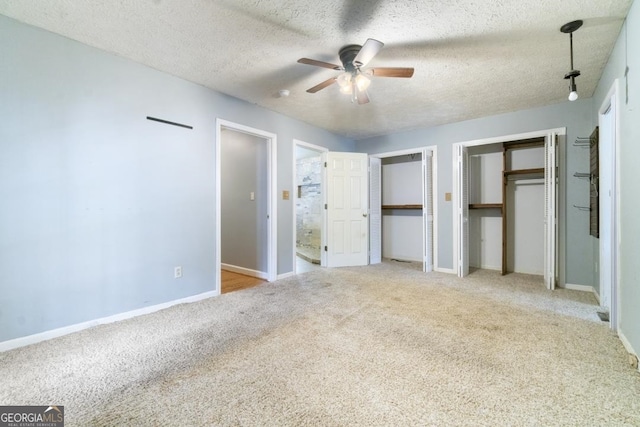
{"x":177,"y":272}
{"x":252,"y":196}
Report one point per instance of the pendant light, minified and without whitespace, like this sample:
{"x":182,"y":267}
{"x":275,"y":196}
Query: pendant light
{"x":570,"y":27}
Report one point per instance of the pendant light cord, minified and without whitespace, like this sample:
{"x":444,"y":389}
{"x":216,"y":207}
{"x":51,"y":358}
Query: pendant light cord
{"x":571,"y":48}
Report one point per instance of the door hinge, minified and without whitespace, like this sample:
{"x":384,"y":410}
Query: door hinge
{"x":325,"y":249}
{"x":325,"y":206}
{"x":325,"y":164}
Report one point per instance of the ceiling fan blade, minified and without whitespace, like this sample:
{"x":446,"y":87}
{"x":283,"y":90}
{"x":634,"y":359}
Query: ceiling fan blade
{"x":391,"y":72}
{"x":319,"y":63}
{"x":322,"y":85}
{"x":369,"y":49}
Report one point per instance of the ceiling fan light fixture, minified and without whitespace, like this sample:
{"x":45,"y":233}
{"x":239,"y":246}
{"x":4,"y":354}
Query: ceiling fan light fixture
{"x":362,"y":81}
{"x":347,"y":90}
{"x":569,"y":28}
{"x":345,"y":82}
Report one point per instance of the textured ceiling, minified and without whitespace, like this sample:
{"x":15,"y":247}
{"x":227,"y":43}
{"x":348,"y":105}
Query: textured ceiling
{"x":472,"y":58}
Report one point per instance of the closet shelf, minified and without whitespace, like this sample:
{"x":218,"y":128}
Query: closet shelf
{"x":401,"y":206}
{"x":534,"y":171}
{"x":485,"y":205}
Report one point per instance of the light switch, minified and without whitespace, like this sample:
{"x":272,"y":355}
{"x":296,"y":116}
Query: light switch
{"x":447,"y":197}
{"x":252,"y":196}
{"x":285,"y":194}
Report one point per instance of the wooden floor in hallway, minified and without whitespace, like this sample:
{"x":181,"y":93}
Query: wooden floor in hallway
{"x":234,"y":281}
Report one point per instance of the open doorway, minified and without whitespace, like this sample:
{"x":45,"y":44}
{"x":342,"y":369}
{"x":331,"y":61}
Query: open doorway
{"x":245,"y":214}
{"x":308,"y":204}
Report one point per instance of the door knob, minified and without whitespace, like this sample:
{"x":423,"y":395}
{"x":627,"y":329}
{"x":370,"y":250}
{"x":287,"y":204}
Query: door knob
{"x":364,"y":215}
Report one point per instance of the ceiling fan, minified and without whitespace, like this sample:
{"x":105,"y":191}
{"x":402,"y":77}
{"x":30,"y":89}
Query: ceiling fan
{"x":355,"y":80}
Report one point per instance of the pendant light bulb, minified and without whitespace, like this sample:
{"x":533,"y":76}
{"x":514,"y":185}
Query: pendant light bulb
{"x":573,"y":95}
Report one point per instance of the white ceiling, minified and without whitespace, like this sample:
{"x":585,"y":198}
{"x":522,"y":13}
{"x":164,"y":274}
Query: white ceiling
{"x":472,"y":58}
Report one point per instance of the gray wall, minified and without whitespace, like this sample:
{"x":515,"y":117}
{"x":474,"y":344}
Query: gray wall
{"x":98,"y":203}
{"x":625,"y":54}
{"x":244,"y":161}
{"x":575,"y":116}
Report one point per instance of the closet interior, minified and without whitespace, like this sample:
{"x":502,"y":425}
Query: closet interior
{"x":402,"y":214}
{"x":506,"y":206}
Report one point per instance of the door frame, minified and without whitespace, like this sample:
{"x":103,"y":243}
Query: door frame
{"x":560,"y":197}
{"x":272,"y":220}
{"x":612,"y":100}
{"x":320,"y":149}
{"x":434,"y":185}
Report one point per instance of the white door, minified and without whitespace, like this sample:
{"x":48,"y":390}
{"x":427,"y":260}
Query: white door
{"x":550,"y":211}
{"x":427,"y":209}
{"x":347,"y":216}
{"x":462,"y":209}
{"x":605,"y":196}
{"x":375,"y":210}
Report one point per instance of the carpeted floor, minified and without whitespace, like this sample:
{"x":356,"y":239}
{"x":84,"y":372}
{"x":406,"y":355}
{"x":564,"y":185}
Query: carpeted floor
{"x":378,"y":345}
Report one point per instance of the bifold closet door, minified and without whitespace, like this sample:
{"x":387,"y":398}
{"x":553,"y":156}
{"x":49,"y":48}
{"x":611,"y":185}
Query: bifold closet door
{"x":550,"y":210}
{"x":375,"y":210}
{"x":462,"y":174}
{"x":427,"y":209}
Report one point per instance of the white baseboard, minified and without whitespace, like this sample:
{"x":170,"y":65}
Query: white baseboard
{"x":488,"y":267}
{"x":284,"y":275}
{"x":66,"y":330}
{"x":627,"y":345}
{"x":583,"y":288}
{"x":572,"y":287}
{"x":445,"y":270}
{"x":245,"y":271}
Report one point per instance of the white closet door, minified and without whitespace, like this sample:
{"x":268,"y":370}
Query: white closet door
{"x":427,"y":209}
{"x":463,"y":209}
{"x":375,"y":210}
{"x":550,"y":211}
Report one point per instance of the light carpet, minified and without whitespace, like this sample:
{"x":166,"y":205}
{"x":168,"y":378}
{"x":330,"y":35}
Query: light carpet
{"x":377,"y":345}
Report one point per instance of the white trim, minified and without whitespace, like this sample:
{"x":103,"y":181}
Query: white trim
{"x":417,"y":150}
{"x":285,"y":275}
{"x":445,"y":270}
{"x":627,"y":345}
{"x":320,"y":149}
{"x":560,"y":132}
{"x":245,"y":271}
{"x":272,"y":203}
{"x":66,"y":330}
{"x":434,"y":184}
{"x":615,"y":302}
{"x":514,"y":137}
